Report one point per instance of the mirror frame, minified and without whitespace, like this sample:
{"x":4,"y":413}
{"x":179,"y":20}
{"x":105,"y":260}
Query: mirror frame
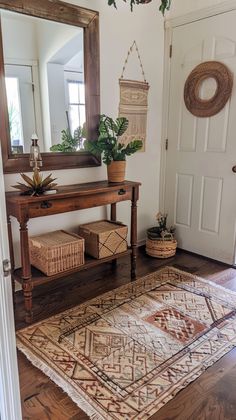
{"x":56,"y":10}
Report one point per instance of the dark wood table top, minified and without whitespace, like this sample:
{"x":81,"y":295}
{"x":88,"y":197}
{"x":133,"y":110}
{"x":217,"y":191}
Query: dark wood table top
{"x":73,"y":190}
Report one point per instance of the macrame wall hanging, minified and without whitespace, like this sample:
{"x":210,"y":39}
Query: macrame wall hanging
{"x":134,"y":103}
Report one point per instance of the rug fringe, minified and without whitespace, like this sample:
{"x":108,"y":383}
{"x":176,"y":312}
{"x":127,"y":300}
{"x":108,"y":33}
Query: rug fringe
{"x":63,"y":384}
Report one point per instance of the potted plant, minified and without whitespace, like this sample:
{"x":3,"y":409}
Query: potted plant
{"x":111,"y":148}
{"x":160,"y":241}
{"x":165,"y":4}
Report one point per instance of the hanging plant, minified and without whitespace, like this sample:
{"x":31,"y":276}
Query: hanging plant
{"x":165,"y":4}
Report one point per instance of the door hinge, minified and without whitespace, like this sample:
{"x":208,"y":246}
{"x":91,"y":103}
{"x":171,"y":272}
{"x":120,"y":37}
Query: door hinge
{"x":171,"y":51}
{"x":6,"y":267}
{"x":167,"y":144}
{"x":33,"y":87}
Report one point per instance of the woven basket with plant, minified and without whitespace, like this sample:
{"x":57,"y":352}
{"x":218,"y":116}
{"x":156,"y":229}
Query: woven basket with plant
{"x":160,"y":241}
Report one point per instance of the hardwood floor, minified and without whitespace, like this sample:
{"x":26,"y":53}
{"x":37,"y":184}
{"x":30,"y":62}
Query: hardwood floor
{"x":211,"y":397}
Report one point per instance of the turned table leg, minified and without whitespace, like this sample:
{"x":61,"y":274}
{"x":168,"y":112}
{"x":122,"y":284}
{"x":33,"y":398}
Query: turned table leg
{"x":134,"y":233}
{"x":113,"y":219}
{"x":26,"y":272}
{"x":11,"y":256}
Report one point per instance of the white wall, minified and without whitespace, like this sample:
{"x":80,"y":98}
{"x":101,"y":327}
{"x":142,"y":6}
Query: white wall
{"x":180,"y":7}
{"x":118,"y":29}
{"x":15,"y":47}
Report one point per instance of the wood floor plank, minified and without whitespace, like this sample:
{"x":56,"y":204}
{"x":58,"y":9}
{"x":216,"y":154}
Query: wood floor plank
{"x":211,"y":397}
{"x":212,"y":394}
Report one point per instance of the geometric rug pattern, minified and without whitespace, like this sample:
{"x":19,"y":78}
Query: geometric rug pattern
{"x":124,"y":354}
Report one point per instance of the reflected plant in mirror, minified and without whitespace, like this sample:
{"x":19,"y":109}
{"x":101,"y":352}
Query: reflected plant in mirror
{"x":44,"y":77}
{"x":69,"y":142}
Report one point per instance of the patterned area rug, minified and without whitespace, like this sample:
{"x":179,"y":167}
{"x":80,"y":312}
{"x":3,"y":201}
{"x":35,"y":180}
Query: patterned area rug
{"x":126,"y":353}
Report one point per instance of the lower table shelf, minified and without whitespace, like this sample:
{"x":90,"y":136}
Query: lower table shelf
{"x":39,"y":278}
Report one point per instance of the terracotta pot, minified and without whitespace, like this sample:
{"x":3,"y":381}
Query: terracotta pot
{"x":116,"y":171}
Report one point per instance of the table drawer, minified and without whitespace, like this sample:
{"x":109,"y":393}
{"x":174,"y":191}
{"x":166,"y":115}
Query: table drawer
{"x":51,"y":206}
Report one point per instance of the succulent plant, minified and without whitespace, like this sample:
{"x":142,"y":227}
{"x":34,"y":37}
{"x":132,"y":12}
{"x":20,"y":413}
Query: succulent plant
{"x":36,"y":185}
{"x":161,"y":231}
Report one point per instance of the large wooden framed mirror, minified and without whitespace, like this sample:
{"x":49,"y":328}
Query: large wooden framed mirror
{"x":49,"y":83}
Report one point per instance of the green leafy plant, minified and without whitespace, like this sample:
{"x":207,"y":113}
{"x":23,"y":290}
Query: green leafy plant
{"x":165,"y":4}
{"x":109,"y":144}
{"x":69,"y":143}
{"x":161,"y":231}
{"x":36,"y":185}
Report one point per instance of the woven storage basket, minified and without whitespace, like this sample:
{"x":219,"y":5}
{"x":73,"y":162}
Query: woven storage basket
{"x":161,"y":248}
{"x":55,"y":252}
{"x":104,"y":238}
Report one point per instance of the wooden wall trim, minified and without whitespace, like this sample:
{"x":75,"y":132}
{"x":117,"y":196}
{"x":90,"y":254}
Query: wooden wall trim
{"x":56,"y":10}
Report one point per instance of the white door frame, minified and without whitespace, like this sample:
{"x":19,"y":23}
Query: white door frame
{"x":36,"y":93}
{"x":170,"y":24}
{"x":10,"y":405}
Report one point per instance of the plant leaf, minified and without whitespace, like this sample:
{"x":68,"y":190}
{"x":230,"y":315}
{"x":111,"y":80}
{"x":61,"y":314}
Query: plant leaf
{"x":110,"y":124}
{"x":37,"y":178}
{"x":122,"y":125}
{"x":48,"y":180}
{"x":133,"y":147}
{"x":27,"y":179}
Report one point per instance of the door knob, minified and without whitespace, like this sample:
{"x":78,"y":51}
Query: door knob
{"x":234,"y":169}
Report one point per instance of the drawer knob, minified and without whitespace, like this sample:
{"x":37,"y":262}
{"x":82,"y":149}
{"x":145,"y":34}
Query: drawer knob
{"x":121,"y":191}
{"x":46,"y":205}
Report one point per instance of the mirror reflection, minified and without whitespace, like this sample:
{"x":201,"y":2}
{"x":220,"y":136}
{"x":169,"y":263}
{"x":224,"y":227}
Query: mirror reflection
{"x":44,"y":74}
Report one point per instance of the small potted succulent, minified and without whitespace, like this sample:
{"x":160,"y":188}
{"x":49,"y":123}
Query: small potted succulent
{"x":110,"y":146}
{"x":160,"y":241}
{"x":36,"y":185}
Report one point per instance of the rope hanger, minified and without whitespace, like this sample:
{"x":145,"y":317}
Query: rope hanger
{"x":139,"y":58}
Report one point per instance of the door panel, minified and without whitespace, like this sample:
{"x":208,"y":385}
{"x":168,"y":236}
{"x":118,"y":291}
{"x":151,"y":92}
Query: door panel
{"x":200,"y":185}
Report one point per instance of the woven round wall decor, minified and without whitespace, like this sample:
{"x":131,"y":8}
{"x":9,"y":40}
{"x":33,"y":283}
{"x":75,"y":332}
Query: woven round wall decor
{"x":224,"y":84}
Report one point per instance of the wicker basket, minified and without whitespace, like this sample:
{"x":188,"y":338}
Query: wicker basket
{"x":104,"y":238}
{"x":55,"y":252}
{"x":160,"y":248}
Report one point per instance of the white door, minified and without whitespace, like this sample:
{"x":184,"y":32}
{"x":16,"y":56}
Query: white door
{"x":10,"y":407}
{"x":200,"y":191}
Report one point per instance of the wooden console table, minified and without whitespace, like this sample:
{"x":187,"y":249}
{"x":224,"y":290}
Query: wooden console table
{"x":67,"y":198}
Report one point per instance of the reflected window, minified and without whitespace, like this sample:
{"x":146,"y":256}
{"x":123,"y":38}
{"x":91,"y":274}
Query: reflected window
{"x":76,"y":105}
{"x":14,"y":112}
